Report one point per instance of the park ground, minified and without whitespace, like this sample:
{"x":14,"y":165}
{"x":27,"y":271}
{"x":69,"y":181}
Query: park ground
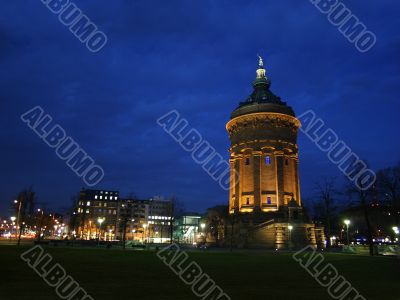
{"x":118,"y":274}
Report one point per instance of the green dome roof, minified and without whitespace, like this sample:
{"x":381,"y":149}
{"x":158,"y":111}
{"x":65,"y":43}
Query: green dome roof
{"x":262,"y":99}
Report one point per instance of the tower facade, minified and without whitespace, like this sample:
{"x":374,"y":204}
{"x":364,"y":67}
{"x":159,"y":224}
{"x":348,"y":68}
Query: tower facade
{"x":263,"y":152}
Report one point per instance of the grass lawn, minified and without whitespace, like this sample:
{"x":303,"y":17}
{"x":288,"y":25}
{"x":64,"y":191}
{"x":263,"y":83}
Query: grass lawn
{"x":116,"y":274}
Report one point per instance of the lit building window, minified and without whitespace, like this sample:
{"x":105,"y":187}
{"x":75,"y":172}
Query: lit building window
{"x":267,"y":160}
{"x":88,"y":203}
{"x":95,"y":197}
{"x":115,"y":198}
{"x":101,"y":197}
{"x":87,"y":211}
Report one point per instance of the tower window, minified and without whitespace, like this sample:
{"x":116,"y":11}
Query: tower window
{"x":247,"y":162}
{"x":286,"y":161}
{"x":267,"y":160}
{"x":247,"y":201}
{"x":269,"y":200}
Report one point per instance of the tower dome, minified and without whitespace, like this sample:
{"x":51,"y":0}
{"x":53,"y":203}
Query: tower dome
{"x":262,"y":99}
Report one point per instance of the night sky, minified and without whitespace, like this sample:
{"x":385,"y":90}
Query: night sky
{"x":198,"y":57}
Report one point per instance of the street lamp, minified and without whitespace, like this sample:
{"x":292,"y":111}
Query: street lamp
{"x":144,"y":231}
{"x":100,"y":221}
{"x":41,"y":223}
{"x":13,"y":220}
{"x":347,"y":222}
{"x":90,"y":230}
{"x":396,"y":229}
{"x":290,"y":227}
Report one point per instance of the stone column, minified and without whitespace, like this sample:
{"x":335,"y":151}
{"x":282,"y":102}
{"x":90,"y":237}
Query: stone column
{"x":238,"y":187}
{"x":297,"y":180}
{"x":280,"y":178}
{"x":232,"y":183}
{"x":257,"y":179}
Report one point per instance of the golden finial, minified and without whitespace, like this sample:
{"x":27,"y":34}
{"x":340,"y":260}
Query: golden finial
{"x":260,"y":71}
{"x":260,"y":61}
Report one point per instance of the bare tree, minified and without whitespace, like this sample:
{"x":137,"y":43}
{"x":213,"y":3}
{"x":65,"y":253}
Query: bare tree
{"x":25,"y":210}
{"x":175,"y":209}
{"x":388,"y":187}
{"x":325,"y":207}
{"x":72,"y":212}
{"x":364,"y":197}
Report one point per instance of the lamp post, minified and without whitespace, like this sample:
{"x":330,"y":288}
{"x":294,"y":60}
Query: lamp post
{"x":396,"y":232}
{"x":41,"y":223}
{"x":90,"y":230}
{"x":290,"y":227}
{"x":100,"y":221}
{"x":19,"y":211}
{"x":347,"y":222}
{"x":13,"y":220}
{"x":144,"y":229}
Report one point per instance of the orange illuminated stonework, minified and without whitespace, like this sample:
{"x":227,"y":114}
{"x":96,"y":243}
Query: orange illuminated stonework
{"x":264,"y":195}
{"x":264,"y":154}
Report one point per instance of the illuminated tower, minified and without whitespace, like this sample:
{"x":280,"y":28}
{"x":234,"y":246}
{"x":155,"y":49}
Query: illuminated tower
{"x":264,"y":152}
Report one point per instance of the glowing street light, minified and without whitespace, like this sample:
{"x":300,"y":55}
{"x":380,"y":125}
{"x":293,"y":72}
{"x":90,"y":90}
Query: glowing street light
{"x":144,"y":231}
{"x":100,"y":221}
{"x":347,"y":222}
{"x":396,"y":229}
{"x":290,"y":227}
{"x":13,"y":220}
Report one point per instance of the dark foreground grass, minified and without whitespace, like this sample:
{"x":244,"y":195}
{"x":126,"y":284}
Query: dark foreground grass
{"x":115,"y":274}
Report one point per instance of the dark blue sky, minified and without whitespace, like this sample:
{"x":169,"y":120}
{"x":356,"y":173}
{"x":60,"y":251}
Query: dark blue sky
{"x":198,"y":57}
